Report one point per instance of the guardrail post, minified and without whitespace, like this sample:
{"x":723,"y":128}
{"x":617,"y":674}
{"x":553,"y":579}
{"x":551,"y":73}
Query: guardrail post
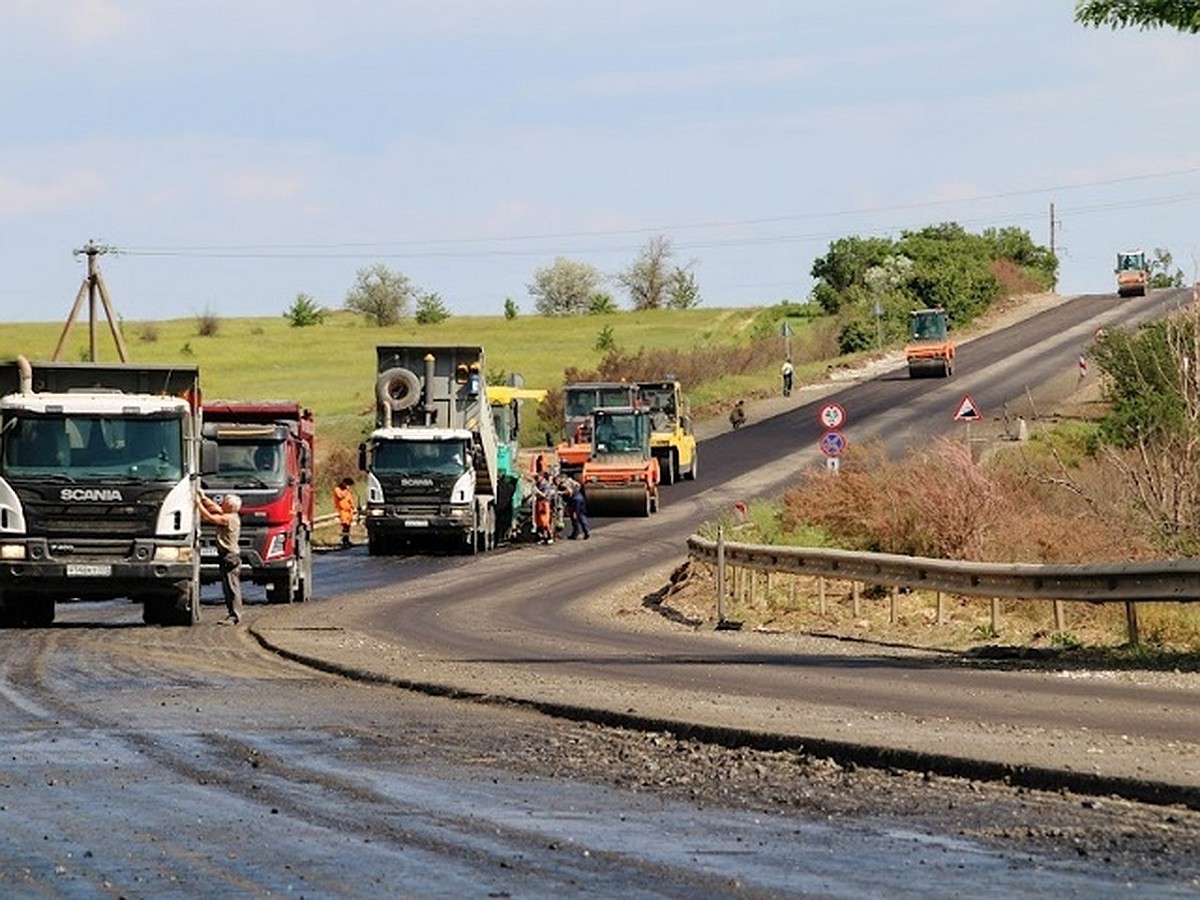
{"x":894,"y":612}
{"x":720,"y":574}
{"x":995,"y":615}
{"x":856,"y":599}
{"x":941,"y":609}
{"x":1060,"y":618}
{"x":1131,"y":619}
{"x":821,"y":594}
{"x":767,"y":595}
{"x":792,"y":592}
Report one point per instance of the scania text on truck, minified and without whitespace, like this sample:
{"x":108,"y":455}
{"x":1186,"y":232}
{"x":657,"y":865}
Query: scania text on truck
{"x":98,"y":474}
{"x":433,"y":478}
{"x":265,"y":455}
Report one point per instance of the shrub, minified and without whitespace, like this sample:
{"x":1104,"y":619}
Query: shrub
{"x":305,"y":311}
{"x":208,"y":324}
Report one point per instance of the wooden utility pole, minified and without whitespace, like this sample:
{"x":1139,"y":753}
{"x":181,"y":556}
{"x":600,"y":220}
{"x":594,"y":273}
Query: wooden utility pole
{"x":1053,"y":222}
{"x":93,"y":286}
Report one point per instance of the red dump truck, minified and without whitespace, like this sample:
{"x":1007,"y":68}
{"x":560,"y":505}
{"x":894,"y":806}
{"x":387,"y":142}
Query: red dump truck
{"x":265,"y":455}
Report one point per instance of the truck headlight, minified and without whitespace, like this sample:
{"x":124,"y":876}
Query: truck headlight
{"x":275,"y":547}
{"x":12,"y":551}
{"x":172,"y":554}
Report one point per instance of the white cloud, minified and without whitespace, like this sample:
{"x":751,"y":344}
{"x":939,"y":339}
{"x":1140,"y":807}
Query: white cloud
{"x":61,"y":193}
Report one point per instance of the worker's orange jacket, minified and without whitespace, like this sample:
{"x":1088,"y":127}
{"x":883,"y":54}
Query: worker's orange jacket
{"x":343,"y":502}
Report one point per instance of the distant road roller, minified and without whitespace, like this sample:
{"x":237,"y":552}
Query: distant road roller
{"x":621,"y":475}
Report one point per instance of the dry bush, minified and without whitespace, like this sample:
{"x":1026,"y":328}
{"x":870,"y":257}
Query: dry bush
{"x":148,"y":332}
{"x":208,"y":324}
{"x":934,"y":502}
{"x":694,"y":366}
{"x":337,"y":463}
{"x":1014,"y":280}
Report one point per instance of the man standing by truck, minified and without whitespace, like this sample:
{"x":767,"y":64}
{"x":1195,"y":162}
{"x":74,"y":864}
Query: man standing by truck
{"x":346,"y":506}
{"x":226,"y":515}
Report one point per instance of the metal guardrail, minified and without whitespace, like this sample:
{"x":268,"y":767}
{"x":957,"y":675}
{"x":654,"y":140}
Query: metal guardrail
{"x":1176,"y":580}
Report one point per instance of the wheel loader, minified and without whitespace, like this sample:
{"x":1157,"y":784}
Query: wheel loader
{"x":621,"y":475}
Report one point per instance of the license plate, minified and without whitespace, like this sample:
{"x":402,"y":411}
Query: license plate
{"x":416,"y":523}
{"x":208,"y":552}
{"x":88,"y":570}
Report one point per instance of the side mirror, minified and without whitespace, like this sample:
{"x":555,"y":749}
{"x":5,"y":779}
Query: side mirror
{"x":362,"y":457}
{"x":208,"y":458}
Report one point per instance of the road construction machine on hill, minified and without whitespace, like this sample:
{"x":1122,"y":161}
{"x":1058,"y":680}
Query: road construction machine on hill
{"x":434,"y":478}
{"x":621,"y":475}
{"x":671,"y":439}
{"x":579,"y":400}
{"x":929,"y":350}
{"x":1133,"y":274}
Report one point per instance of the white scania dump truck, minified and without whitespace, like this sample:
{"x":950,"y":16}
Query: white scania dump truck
{"x":433,"y":477}
{"x":98,"y":473}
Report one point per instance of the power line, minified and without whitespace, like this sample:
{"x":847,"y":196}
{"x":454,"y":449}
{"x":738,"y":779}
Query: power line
{"x":432,"y":248}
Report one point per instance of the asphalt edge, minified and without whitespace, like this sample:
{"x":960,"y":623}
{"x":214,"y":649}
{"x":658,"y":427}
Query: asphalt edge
{"x":847,"y":754}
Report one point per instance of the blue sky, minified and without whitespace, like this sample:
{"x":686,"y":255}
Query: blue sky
{"x":238,"y":153}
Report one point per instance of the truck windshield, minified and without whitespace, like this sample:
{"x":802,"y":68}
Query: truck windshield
{"x":249,"y":464}
{"x":420,"y":457}
{"x":580,"y":402}
{"x":91,"y":447}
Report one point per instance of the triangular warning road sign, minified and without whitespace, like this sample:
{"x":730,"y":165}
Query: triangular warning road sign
{"x":967,"y":410}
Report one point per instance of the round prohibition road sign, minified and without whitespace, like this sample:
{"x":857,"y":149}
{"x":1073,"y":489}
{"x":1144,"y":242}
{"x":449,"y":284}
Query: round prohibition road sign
{"x":832,"y":415}
{"x":833,"y":443}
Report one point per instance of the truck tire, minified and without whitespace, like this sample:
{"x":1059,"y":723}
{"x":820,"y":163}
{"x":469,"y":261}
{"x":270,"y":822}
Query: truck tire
{"x":670,"y":472}
{"x":398,"y":389}
{"x":179,"y":608}
{"x":690,"y":474}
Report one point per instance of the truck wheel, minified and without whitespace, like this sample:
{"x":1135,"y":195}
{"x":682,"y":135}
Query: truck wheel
{"x":39,"y":613}
{"x":690,"y":475}
{"x":8,"y":615}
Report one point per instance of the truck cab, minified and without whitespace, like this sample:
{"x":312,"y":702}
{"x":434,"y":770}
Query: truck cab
{"x":97,"y":489}
{"x":432,"y":461}
{"x":264,"y":453}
